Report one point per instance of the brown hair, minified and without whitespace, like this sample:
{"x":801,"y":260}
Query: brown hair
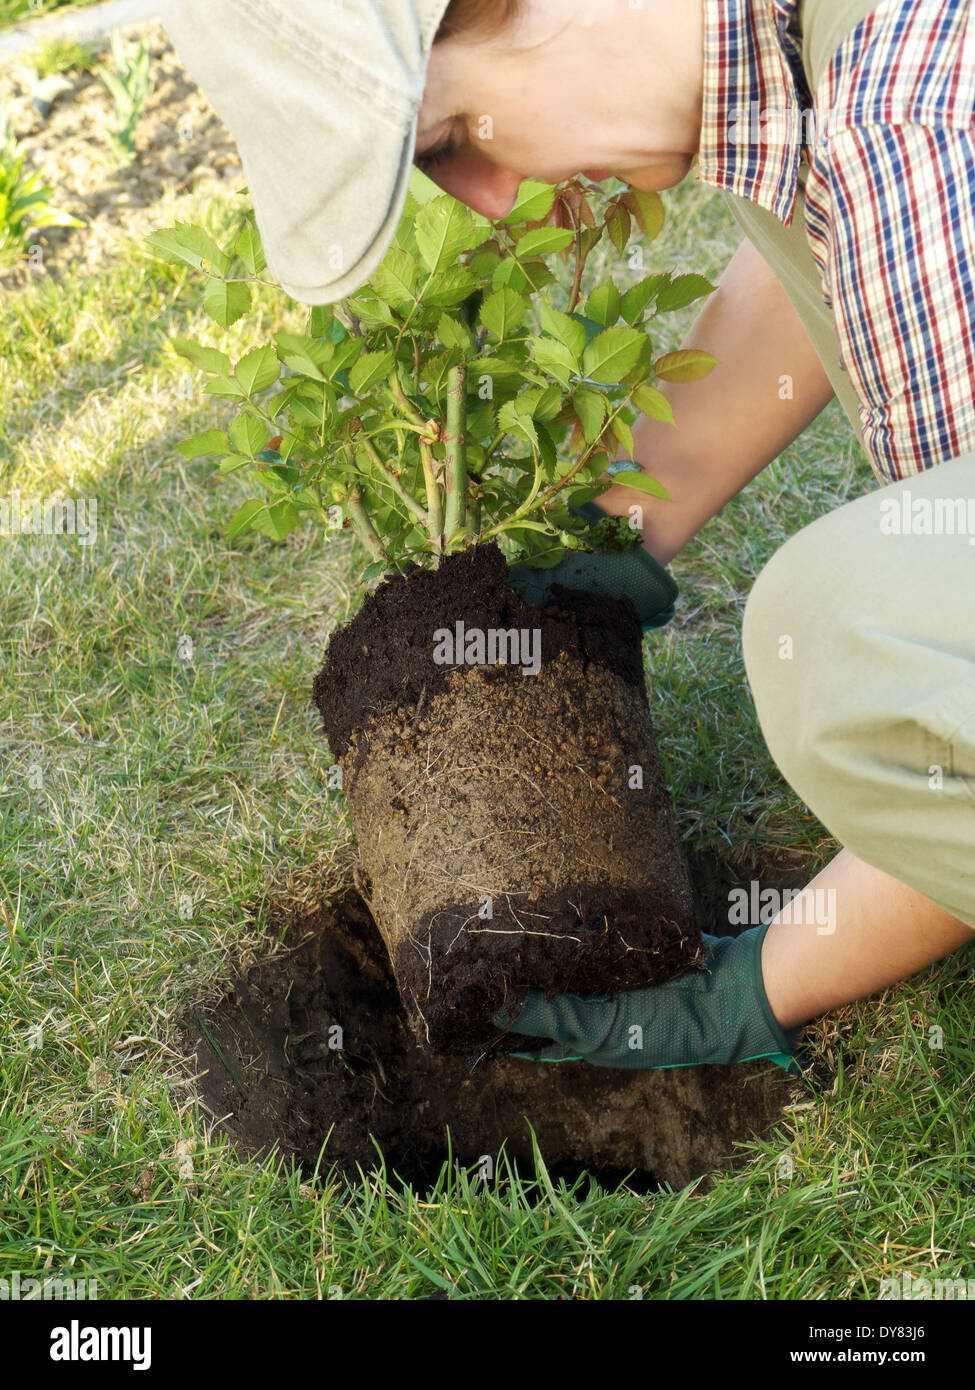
{"x":483,"y":18}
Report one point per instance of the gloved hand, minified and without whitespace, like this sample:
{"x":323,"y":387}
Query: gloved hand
{"x":632,"y":573}
{"x":717,"y":1015}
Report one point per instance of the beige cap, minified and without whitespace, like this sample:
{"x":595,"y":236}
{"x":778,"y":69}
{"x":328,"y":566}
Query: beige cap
{"x":322,"y":98}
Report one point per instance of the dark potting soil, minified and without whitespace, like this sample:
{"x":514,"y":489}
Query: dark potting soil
{"x":505,"y":842}
{"x":381,"y":660}
{"x":277,"y":1074}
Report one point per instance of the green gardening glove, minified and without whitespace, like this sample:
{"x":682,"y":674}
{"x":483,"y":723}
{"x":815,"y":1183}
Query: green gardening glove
{"x":631,"y":573}
{"x":717,"y":1015}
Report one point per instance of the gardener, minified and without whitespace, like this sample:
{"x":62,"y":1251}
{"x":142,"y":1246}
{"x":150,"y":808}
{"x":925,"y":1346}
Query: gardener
{"x":840,"y":133}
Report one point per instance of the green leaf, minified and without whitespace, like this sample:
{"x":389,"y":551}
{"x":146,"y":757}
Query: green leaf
{"x":534,"y":202}
{"x":555,"y":358}
{"x":305,"y":355}
{"x":258,"y":370}
{"x":444,"y":228}
{"x":453,"y":332}
{"x":686,"y":365}
{"x":648,"y":209}
{"x":250,"y":250}
{"x":603,"y":304}
{"x":590,"y":406}
{"x":683,"y":290}
{"x":620,"y":224}
{"x":394,"y":280}
{"x":624,"y":434}
{"x":248,"y":435}
{"x":243,"y":518}
{"x":543,"y":241}
{"x":612,"y":354}
{"x":503,"y":312}
{"x":450,"y":287}
{"x":509,"y":272}
{"x":231,"y":462}
{"x":278,"y":521}
{"x":635,"y":301}
{"x":653,"y":403}
{"x":186,"y":245}
{"x":642,"y":483}
{"x":564,"y":329}
{"x":226,"y":302}
{"x":371,"y":368}
{"x":209,"y":442}
{"x":513,"y":422}
{"x":209,"y":359}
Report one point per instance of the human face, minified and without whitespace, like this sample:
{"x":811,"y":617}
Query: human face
{"x":537,"y":102}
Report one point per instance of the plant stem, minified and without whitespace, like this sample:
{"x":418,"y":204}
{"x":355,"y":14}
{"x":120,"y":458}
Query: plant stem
{"x":434,"y":496}
{"x":364,"y":528}
{"x":391,"y":481}
{"x":456,"y":473}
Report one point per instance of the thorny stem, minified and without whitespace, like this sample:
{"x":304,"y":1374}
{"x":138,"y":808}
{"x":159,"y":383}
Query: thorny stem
{"x":456,"y":472}
{"x":364,"y":528}
{"x":391,"y":480}
{"x":434,"y":497}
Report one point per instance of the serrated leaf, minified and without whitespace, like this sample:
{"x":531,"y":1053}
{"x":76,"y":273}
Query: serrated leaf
{"x":453,"y":332}
{"x":681,"y":291}
{"x":612,"y":353}
{"x":653,"y":403}
{"x":248,"y":435}
{"x":619,"y":222}
{"x":209,"y":442}
{"x":603,"y":305}
{"x":243,"y":518}
{"x":226,"y":303}
{"x":554,"y":357}
{"x":686,"y":365}
{"x":258,"y":370}
{"x":624,"y":434}
{"x":642,"y":483}
{"x":636,"y":300}
{"x":231,"y":462}
{"x":187,"y":245}
{"x":395,"y":278}
{"x":371,"y":368}
{"x":450,"y":287}
{"x":533,"y":204}
{"x":590,"y":407}
{"x":513,"y":422}
{"x":543,"y":241}
{"x":648,"y":209}
{"x":444,"y":228}
{"x":250,"y":250}
{"x":503,"y":312}
{"x":564,"y":329}
{"x":509,"y":273}
{"x":278,"y":521}
{"x":209,"y":359}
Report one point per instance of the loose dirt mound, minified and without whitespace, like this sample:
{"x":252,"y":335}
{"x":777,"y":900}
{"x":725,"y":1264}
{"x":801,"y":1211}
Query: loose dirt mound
{"x":312,"y":1044}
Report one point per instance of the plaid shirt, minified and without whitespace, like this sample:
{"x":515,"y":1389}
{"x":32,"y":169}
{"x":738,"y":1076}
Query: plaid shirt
{"x":889,"y":198}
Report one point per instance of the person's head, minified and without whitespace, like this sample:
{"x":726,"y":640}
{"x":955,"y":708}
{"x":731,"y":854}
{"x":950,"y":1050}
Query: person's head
{"x":550,"y":88}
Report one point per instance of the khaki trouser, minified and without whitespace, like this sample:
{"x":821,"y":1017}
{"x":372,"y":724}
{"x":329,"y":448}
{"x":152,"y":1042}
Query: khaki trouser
{"x":859,"y":642}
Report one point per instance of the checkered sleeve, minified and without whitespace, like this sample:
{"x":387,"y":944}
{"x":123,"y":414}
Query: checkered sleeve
{"x":891,"y":221}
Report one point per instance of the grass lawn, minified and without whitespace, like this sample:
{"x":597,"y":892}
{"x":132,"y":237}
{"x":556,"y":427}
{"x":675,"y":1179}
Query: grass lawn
{"x":163,"y":788}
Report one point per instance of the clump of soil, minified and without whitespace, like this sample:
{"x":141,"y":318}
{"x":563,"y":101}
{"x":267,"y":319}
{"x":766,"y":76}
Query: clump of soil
{"x":312,"y":1043}
{"x":513,"y":823}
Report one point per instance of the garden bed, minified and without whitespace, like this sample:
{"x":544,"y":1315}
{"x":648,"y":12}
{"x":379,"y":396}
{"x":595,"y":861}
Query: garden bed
{"x":180,"y":143}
